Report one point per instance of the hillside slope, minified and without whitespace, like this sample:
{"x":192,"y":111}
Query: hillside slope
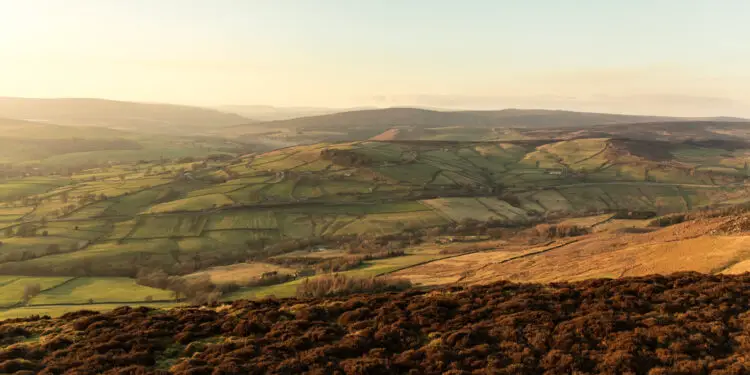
{"x":161,"y":214}
{"x":423,"y":124}
{"x":270,"y":113}
{"x":430,"y":118}
{"x":145,"y":117}
{"x":616,"y":248}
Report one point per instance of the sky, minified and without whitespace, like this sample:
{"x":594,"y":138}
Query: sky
{"x":668,"y":57}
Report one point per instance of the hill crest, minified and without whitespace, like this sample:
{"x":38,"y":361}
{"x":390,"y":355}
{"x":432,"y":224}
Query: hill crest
{"x":148,"y":117}
{"x":409,"y":116}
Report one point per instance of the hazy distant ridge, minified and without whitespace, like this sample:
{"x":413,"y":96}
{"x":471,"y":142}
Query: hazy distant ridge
{"x":532,"y":118}
{"x":117,"y":114}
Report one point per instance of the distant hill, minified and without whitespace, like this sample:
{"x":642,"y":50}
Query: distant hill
{"x":271,"y":113}
{"x":678,"y":130}
{"x":117,"y":114}
{"x":17,"y":129}
{"x":381,"y":119}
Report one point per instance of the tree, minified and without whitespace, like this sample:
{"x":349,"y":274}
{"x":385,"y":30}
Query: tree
{"x":26,"y":230}
{"x":9,"y":232}
{"x":30,"y":291}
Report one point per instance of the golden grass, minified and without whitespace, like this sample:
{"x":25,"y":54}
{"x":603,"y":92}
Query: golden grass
{"x":241,"y":272}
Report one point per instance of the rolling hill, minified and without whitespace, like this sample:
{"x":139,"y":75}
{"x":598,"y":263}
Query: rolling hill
{"x":266,"y":113}
{"x":51,"y":148}
{"x":362,"y":208}
{"x":392,"y":117}
{"x":424,"y":124}
{"x":142,"y":117}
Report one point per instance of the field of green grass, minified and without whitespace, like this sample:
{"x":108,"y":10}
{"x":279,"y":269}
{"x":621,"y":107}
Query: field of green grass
{"x":12,"y":287}
{"x":105,"y":289}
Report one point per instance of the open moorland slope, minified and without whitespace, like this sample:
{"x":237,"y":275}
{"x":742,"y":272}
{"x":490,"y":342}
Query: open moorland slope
{"x":710,"y":242}
{"x":680,"y":324}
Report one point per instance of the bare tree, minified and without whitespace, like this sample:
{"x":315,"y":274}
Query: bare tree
{"x":30,"y":291}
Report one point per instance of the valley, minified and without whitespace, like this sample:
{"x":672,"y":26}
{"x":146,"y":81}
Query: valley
{"x":374,"y":188}
{"x":260,"y":223}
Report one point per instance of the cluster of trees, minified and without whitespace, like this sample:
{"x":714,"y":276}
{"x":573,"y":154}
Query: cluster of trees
{"x":28,"y":254}
{"x":548,"y":231}
{"x":266,"y":279}
{"x":195,"y":290}
{"x":676,"y":218}
{"x":345,"y":158}
{"x":340,"y":285}
{"x":340,"y":264}
{"x":356,"y":261}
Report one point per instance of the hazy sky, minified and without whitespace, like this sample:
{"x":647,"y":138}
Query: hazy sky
{"x":678,"y":57}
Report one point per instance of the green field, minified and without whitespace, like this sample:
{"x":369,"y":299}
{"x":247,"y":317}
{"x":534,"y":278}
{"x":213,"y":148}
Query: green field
{"x":457,"y":209}
{"x":109,"y":290}
{"x":12,"y":287}
{"x":242,"y":220}
{"x":200,"y":203}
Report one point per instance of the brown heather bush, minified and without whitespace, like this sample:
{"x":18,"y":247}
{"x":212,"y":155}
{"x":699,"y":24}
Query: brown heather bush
{"x":341,"y":285}
{"x":680,"y":324}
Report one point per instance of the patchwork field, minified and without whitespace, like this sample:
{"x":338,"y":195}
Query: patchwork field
{"x":187,"y":215}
